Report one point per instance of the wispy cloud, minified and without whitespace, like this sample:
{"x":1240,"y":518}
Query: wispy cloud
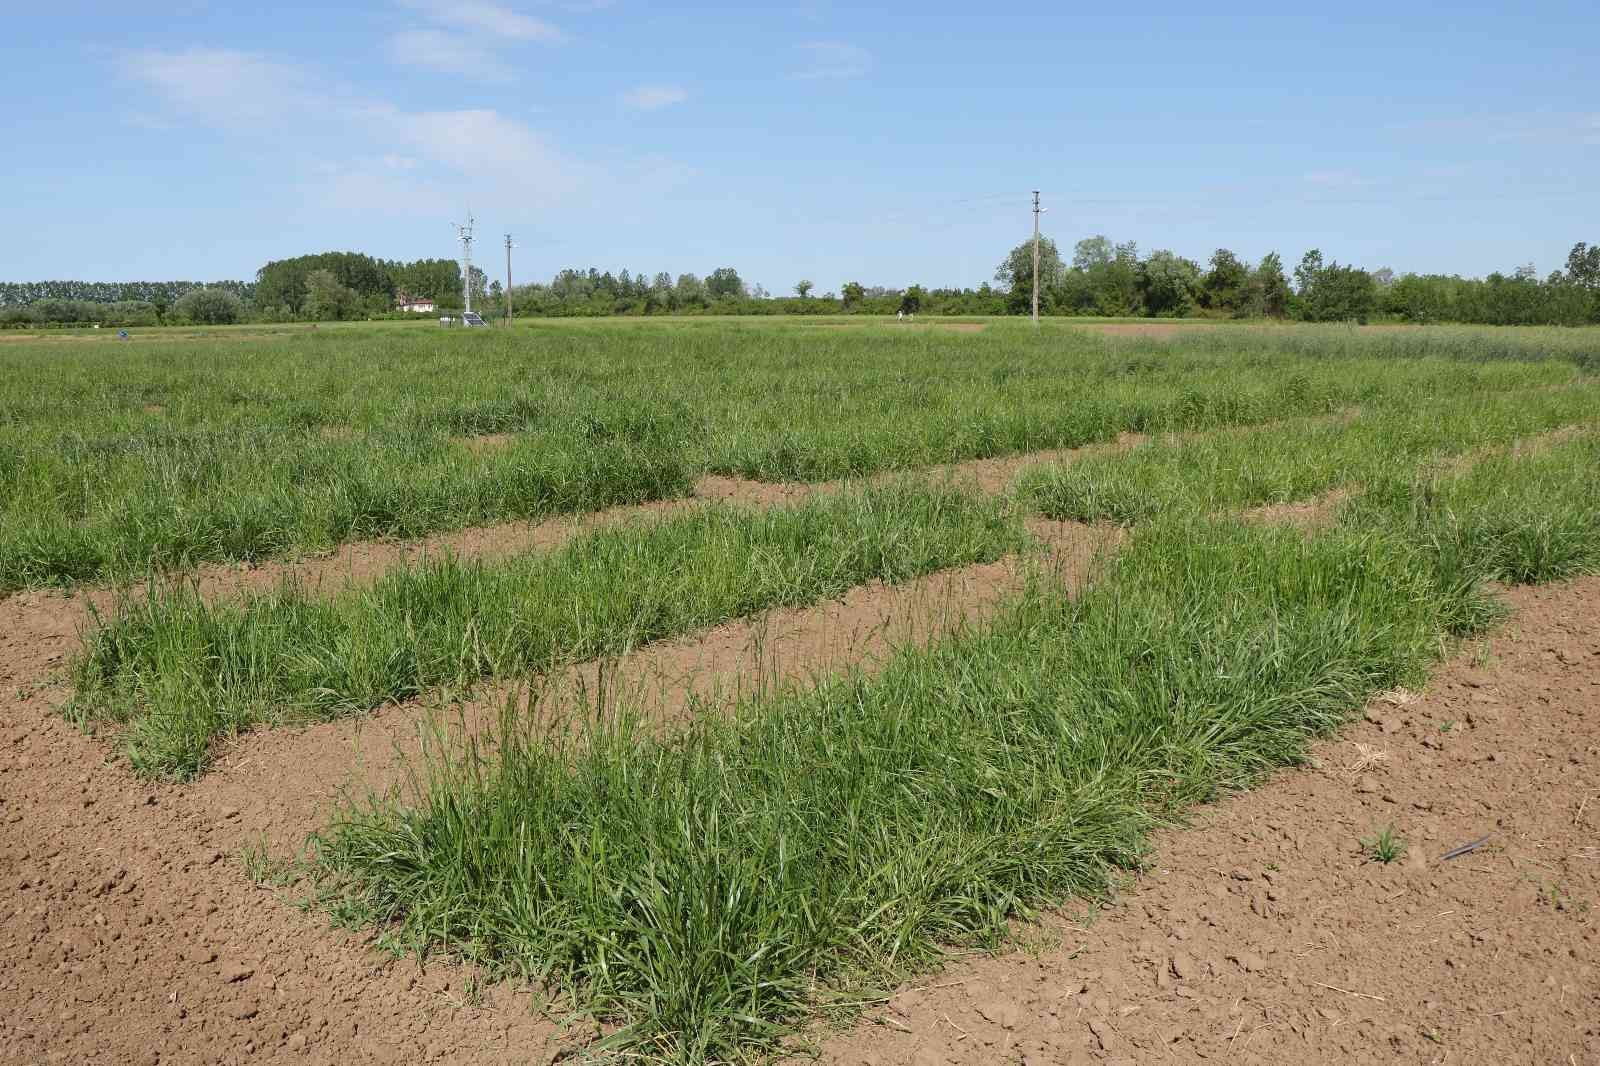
{"x":372,"y":154}
{"x":834,"y":59}
{"x":502,"y":22}
{"x":222,"y":84}
{"x":654,"y":97}
{"x":446,"y":53}
{"x":466,"y":38}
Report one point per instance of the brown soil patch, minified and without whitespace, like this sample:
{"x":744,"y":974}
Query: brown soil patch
{"x":1259,"y":935}
{"x":336,"y":432}
{"x":1308,"y":515}
{"x":129,"y":929}
{"x":1158,"y":330}
{"x":486,"y":442}
{"x":963,"y":327}
{"x":154,"y":409}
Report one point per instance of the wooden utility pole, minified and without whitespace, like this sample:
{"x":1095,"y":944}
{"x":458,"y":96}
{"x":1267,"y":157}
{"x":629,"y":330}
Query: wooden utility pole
{"x":508,"y":279}
{"x":1036,"y":257}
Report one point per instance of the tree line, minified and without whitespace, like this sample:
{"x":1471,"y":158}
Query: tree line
{"x":1104,"y":278}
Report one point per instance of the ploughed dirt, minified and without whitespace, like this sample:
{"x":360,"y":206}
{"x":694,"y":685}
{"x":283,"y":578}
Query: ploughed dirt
{"x":1261,"y":935}
{"x":131,"y":933}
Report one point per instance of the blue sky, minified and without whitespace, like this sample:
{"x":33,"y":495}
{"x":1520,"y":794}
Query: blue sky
{"x":835,"y":142}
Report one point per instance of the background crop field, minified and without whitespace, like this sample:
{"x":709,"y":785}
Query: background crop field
{"x":122,"y":458}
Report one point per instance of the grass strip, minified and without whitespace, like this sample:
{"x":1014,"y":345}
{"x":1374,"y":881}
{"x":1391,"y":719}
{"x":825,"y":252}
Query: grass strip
{"x":178,"y":671}
{"x":1293,"y":461}
{"x":702,"y":890}
{"x":179,"y":451}
{"x":694,"y":889}
{"x":136,"y":504}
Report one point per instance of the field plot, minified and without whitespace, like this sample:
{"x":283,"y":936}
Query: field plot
{"x":1105,"y":579}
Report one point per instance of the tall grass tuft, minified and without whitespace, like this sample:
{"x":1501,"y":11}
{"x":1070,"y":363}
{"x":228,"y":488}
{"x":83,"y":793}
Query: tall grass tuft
{"x":702,"y":891}
{"x":179,"y":671}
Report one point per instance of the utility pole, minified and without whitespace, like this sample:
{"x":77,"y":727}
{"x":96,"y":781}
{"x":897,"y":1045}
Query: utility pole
{"x":508,"y":279}
{"x":1036,"y":257}
{"x":464,"y":234}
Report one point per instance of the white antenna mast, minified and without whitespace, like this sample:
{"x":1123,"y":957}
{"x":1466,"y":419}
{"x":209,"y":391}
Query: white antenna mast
{"x":464,"y":234}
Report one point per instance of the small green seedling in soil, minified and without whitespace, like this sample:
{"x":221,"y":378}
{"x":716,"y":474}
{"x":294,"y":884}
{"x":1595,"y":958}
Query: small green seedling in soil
{"x":263,"y":868}
{"x":1445,"y":727}
{"x":1384,"y":846}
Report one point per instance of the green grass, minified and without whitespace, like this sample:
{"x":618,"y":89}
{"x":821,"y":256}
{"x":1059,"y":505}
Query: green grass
{"x":177,"y":671}
{"x":692,"y":890}
{"x":118,"y":460}
{"x":704,"y":891}
{"x":1520,"y":519}
{"x":1298,"y":461}
{"x":1384,"y":846}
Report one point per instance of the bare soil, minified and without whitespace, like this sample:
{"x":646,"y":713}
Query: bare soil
{"x":1157,"y":330}
{"x":487,"y":442}
{"x":131,"y":933}
{"x":1308,"y":515}
{"x":1263,"y":934}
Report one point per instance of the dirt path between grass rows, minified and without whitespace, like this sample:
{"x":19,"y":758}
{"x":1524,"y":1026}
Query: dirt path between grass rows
{"x":284,"y":783}
{"x":364,"y":561}
{"x":132,"y":935}
{"x":1260,"y":935}
{"x":135,"y":935}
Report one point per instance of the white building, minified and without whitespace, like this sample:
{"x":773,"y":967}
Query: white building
{"x":421,"y":305}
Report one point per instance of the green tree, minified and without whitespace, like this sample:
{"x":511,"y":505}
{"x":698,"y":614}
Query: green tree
{"x":1306,"y":274}
{"x":209,"y":306}
{"x":1224,"y":288}
{"x":853,"y":293}
{"x":1093,"y":252}
{"x":1168,"y":283}
{"x":803,"y":288}
{"x":329,"y":299}
{"x":724,"y":282}
{"x":1583,"y":266}
{"x":911,"y":299}
{"x":1335,"y":293}
{"x":1015,"y":274}
{"x":1116,"y":284}
{"x":1269,"y":289}
{"x":690,"y":291}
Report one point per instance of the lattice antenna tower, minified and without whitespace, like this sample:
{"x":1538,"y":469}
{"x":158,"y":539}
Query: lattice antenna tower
{"x":464,"y":235}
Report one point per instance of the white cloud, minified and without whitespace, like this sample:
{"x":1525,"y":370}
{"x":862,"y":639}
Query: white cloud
{"x":446,"y":53}
{"x":501,"y":22}
{"x":221,"y":85}
{"x":365,"y":153}
{"x":834,"y":59}
{"x":654,"y":97}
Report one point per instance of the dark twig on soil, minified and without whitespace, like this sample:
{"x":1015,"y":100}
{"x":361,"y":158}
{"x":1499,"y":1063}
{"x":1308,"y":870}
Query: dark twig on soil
{"x":1465,"y":848}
